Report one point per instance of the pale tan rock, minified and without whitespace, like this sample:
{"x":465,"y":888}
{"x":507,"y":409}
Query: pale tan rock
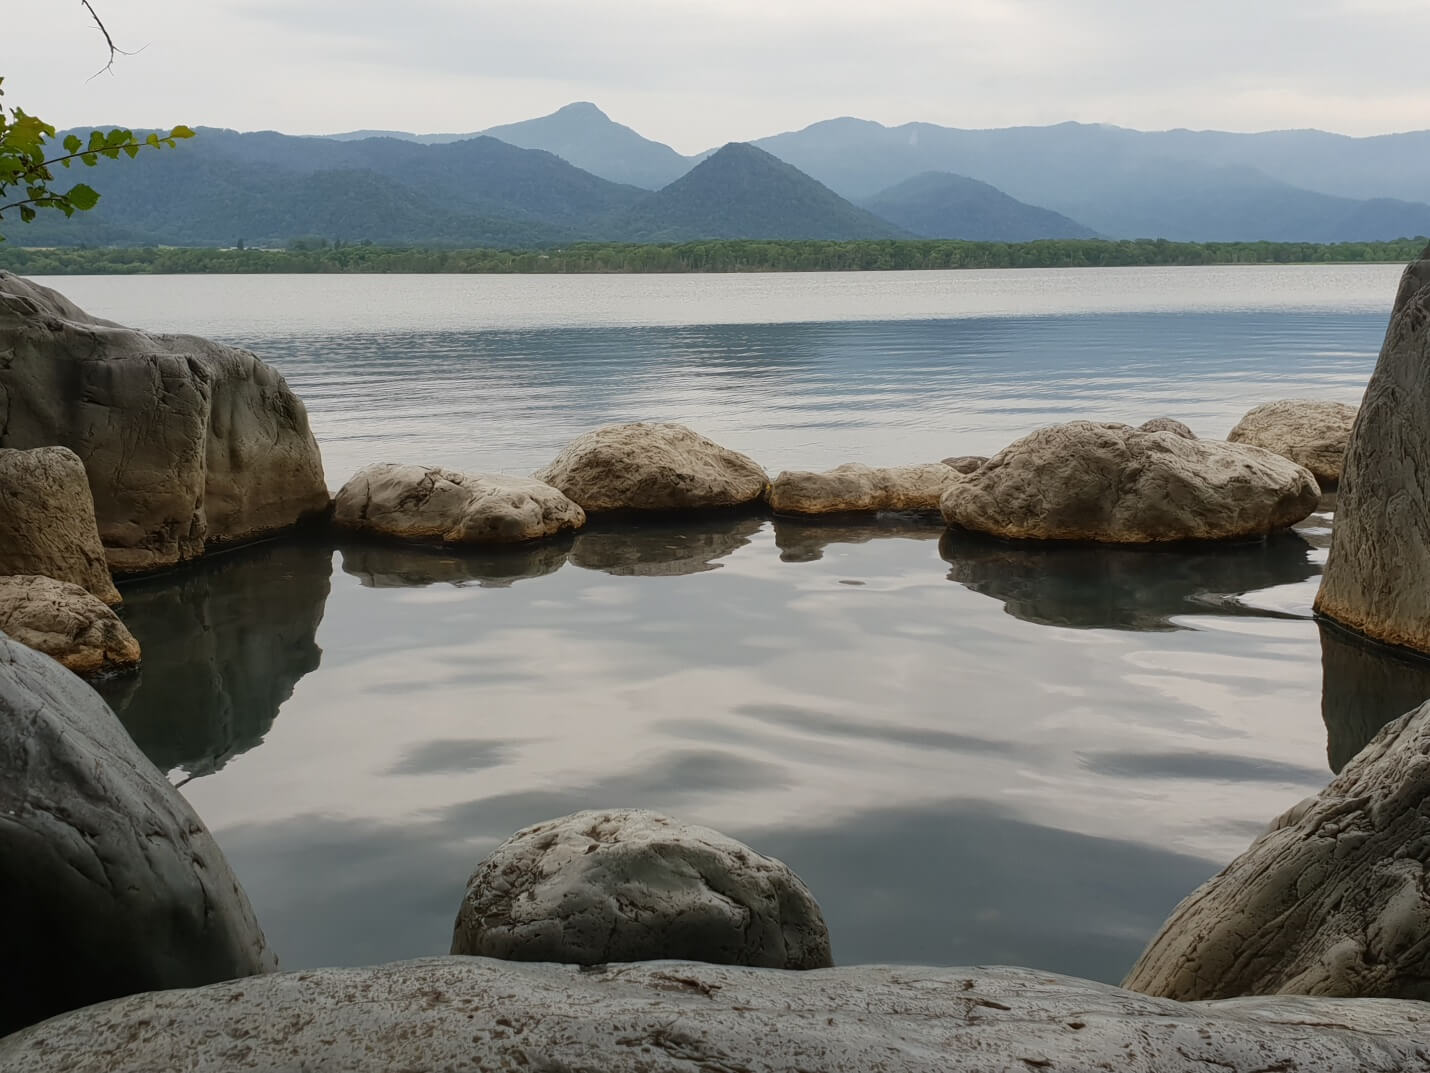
{"x":431,"y":505}
{"x":1334,"y":899}
{"x":1310,"y":433}
{"x":66,"y":623}
{"x":1167,"y":424}
{"x":47,"y":523}
{"x":1116,"y":484}
{"x":965,"y":463}
{"x":1377,"y":579}
{"x":187,"y":443}
{"x":654,"y":467}
{"x":858,"y":489}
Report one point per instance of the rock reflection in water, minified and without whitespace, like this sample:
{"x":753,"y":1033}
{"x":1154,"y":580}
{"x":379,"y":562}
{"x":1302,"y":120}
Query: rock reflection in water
{"x":664,"y":548}
{"x":399,"y":566}
{"x":1125,"y":588}
{"x":1363,"y":687}
{"x":804,"y":541}
{"x":225,"y":641}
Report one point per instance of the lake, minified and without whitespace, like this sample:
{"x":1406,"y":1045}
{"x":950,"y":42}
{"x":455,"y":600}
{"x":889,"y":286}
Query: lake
{"x":973,"y":752}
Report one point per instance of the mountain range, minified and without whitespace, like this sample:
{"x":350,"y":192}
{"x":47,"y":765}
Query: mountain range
{"x":577,"y":175}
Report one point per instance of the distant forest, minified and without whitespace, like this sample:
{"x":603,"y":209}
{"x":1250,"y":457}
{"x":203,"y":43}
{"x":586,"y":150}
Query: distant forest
{"x":723,"y":255}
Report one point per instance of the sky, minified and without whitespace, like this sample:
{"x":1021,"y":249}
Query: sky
{"x":699,"y":73}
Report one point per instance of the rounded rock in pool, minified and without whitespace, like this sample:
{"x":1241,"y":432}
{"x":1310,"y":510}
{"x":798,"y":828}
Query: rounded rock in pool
{"x":1310,"y":432}
{"x":67,"y":623}
{"x":631,"y":885}
{"x":1115,"y":484}
{"x":657,"y":467}
{"x":431,"y":505}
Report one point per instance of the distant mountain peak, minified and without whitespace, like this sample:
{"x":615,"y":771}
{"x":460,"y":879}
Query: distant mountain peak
{"x":581,"y":108}
{"x":583,"y":135}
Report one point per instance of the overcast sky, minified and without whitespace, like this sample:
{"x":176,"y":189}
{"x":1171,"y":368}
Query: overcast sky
{"x":698,"y":73}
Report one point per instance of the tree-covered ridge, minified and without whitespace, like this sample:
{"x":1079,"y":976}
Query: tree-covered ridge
{"x":726,"y":255}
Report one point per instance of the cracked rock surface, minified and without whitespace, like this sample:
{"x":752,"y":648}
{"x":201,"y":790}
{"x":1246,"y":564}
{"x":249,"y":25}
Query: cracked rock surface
{"x":1309,"y":432}
{"x":109,"y":883}
{"x":66,"y":623}
{"x":1116,"y":484}
{"x":474,"y":1014}
{"x":187,"y":443}
{"x":1167,"y":424}
{"x":633,"y":885}
{"x":854,"y":488}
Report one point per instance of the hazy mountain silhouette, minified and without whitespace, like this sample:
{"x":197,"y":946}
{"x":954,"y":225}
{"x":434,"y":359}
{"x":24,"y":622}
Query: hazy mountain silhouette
{"x":585,"y":136}
{"x":939,"y":204}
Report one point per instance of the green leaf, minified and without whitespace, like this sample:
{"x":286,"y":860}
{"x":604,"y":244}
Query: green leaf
{"x":181,"y":131}
{"x":72,"y":143}
{"x":132,"y":149}
{"x":82,"y":197}
{"x":152,"y":139}
{"x":89,"y":159}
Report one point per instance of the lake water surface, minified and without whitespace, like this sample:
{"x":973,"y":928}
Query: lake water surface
{"x":972,"y":752}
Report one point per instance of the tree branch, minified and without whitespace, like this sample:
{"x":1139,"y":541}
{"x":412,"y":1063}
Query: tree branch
{"x":114,"y":50}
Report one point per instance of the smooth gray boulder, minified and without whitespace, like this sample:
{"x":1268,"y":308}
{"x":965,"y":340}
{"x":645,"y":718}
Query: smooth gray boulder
{"x":468,"y":1014}
{"x":1167,"y":424}
{"x":965,"y":463}
{"x":1334,"y":899}
{"x":66,"y":623}
{"x":187,"y":443}
{"x":109,"y":882}
{"x":47,"y":523}
{"x":654,"y":467}
{"x":1115,"y":484}
{"x":1377,"y":579}
{"x":1310,"y":432}
{"x":431,"y":505}
{"x":633,"y":885}
{"x":854,"y":488}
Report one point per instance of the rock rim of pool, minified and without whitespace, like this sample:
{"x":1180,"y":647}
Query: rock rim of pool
{"x":855,"y":488}
{"x":67,"y":623}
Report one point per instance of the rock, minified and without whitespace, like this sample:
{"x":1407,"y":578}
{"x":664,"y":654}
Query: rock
{"x":187,"y":443}
{"x":430,"y":505}
{"x":676,"y":1017}
{"x":66,"y":623}
{"x":1332,"y":900}
{"x":47,"y":524}
{"x":858,"y":489}
{"x":965,"y":463}
{"x":1167,"y":424}
{"x":1310,"y":433}
{"x":1377,"y":580}
{"x":654,"y":467}
{"x":109,"y":883}
{"x":1115,"y":484}
{"x":633,"y":885}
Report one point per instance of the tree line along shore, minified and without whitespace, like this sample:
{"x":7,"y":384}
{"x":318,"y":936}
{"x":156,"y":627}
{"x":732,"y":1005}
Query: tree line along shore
{"x":715,"y":255}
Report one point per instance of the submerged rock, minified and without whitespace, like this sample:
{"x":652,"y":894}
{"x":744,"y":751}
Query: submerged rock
{"x":1377,"y":580}
{"x":109,"y":883}
{"x":1167,"y":424}
{"x":854,"y":488}
{"x":431,"y":505}
{"x":965,"y":463}
{"x":47,"y":523}
{"x":187,"y":443}
{"x":1332,"y":900}
{"x":678,"y":1017}
{"x":66,"y":623}
{"x":633,"y":885}
{"x":654,"y":467}
{"x":1310,"y":433}
{"x":1115,"y":484}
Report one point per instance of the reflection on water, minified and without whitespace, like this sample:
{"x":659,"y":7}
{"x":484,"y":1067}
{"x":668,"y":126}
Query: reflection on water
{"x":388,"y":566}
{"x":805,"y":540}
{"x":1106,"y":587}
{"x":1366,"y":685}
{"x":664,"y":548}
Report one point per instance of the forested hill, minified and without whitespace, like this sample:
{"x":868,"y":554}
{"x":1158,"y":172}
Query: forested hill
{"x":938,"y":204}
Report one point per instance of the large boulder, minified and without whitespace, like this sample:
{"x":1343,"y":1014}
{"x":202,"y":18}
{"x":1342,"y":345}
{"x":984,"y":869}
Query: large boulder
{"x":965,"y":463}
{"x":1168,"y":424}
{"x":431,"y":505}
{"x":1377,"y":580}
{"x":66,"y":623}
{"x":187,"y":443}
{"x":679,"y":1017}
{"x":632,"y":885}
{"x":854,"y":488}
{"x":1119,"y":485}
{"x":1334,"y":899}
{"x":1310,"y":432}
{"x":654,"y":467}
{"x":47,"y":523}
{"x":109,"y":883}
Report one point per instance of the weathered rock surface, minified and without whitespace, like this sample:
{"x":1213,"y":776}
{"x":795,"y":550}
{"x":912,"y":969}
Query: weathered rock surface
{"x":633,"y":885}
{"x":965,"y":463}
{"x":431,"y":505}
{"x":854,"y":488}
{"x":66,"y":623}
{"x":1377,"y":580}
{"x":1334,"y":899}
{"x":187,"y":443}
{"x":1167,"y":424}
{"x":109,"y":883}
{"x":1116,"y":484}
{"x":47,"y":523}
{"x":677,"y":1017}
{"x":654,"y":467}
{"x":1310,"y":433}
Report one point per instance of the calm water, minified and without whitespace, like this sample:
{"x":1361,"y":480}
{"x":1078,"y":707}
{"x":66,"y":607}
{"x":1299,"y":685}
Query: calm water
{"x":972,"y":752}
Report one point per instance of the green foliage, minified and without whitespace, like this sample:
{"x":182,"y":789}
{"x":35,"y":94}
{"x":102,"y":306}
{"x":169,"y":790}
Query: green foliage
{"x":27,"y":168}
